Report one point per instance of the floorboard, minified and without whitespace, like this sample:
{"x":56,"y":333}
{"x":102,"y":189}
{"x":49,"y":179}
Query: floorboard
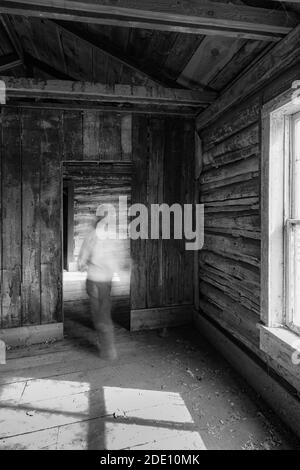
{"x":171,"y":392}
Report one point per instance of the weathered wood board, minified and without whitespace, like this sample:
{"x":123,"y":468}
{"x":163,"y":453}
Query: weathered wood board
{"x":163,"y":158}
{"x":31,"y":225}
{"x":11,"y":219}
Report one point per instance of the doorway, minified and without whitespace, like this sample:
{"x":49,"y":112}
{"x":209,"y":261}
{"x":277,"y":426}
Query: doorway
{"x":86,"y":186}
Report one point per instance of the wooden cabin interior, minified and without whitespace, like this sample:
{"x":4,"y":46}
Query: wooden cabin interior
{"x":161,"y":102}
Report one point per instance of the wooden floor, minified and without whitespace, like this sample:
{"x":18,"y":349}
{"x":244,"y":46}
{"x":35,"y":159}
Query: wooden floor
{"x":162,"y":393}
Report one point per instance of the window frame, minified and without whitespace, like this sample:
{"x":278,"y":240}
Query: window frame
{"x":291,"y":221}
{"x":275,"y":203}
{"x":289,"y":283}
{"x":277,"y":340}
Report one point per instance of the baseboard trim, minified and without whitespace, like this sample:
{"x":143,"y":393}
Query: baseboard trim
{"x":285,"y":404}
{"x":26,"y":335}
{"x":162,"y":317}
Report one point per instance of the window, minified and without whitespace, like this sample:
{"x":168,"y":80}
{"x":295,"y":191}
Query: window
{"x":292,"y":303}
{"x":280,"y":242}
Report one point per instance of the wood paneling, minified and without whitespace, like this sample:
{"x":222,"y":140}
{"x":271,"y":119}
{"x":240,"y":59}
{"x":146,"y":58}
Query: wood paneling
{"x":110,"y":137}
{"x":91,"y":135}
{"x":98,"y":147}
{"x":156,"y":178}
{"x":73,"y":135}
{"x":187,"y":196}
{"x":11,"y":219}
{"x":31,"y":265}
{"x":31,"y":218}
{"x":173,"y":250}
{"x":139,"y":195}
{"x":50,"y":217}
{"x":163,"y":157}
{"x":96,"y":136}
{"x":209,"y":59}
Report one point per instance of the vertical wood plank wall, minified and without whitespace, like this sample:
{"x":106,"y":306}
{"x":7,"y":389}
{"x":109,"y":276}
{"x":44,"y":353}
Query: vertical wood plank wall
{"x":34,"y":144}
{"x":30,"y":217}
{"x":229,"y":264}
{"x":163,"y":158}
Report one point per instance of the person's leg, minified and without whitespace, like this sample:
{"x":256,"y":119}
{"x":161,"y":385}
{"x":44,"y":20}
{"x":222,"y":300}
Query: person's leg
{"x":100,"y":300}
{"x":105,"y":324}
{"x":92,"y":291}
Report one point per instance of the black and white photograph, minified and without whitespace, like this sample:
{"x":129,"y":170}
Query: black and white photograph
{"x":149,"y":229}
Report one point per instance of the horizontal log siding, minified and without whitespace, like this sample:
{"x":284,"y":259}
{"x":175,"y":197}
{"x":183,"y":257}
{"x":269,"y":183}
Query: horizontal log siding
{"x":229,"y":264}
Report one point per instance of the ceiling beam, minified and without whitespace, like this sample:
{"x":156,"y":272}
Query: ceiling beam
{"x":186,"y":16}
{"x":114,"y":107}
{"x":280,"y":58}
{"x":107,"y":48}
{"x":9,"y":61}
{"x":96,"y":92}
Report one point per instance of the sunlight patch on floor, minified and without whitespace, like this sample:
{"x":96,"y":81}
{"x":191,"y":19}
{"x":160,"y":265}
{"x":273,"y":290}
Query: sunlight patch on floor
{"x":132,"y":436}
{"x":102,"y":418}
{"x":146,"y":404}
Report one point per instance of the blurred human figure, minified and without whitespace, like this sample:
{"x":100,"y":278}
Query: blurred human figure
{"x":99,"y":257}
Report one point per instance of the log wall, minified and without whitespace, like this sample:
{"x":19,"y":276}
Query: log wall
{"x":229,"y":264}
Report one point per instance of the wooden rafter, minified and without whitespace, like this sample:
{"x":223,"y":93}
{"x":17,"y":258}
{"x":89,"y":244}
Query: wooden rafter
{"x":188,"y":16}
{"x":46,"y":68}
{"x":9,"y":62}
{"x":84,"y":91}
{"x":283,"y":55}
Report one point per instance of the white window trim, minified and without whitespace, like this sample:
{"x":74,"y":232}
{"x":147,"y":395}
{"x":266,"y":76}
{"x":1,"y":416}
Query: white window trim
{"x":290,"y":224}
{"x":289,"y":287}
{"x":276,"y":340}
